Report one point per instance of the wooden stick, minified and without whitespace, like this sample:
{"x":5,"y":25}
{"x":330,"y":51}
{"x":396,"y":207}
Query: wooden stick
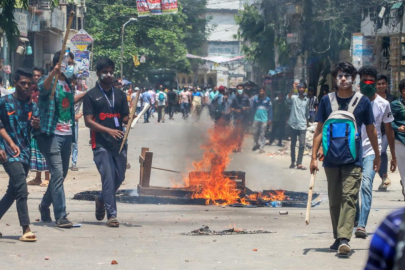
{"x":145,"y":108}
{"x":131,"y":118}
{"x":310,"y":192}
{"x":62,"y":53}
{"x":166,"y":170}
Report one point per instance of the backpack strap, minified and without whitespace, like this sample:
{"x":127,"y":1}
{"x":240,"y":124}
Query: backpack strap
{"x":333,"y":101}
{"x":354,"y":102}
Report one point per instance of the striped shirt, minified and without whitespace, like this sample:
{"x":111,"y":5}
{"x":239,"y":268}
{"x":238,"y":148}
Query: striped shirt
{"x":384,"y":243}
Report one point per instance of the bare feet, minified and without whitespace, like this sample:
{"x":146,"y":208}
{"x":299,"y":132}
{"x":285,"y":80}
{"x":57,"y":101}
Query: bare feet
{"x":34,"y":182}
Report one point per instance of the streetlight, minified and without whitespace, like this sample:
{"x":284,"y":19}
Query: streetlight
{"x":122,"y":45}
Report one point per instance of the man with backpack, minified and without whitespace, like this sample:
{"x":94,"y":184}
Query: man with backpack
{"x":161,"y":105}
{"x":217,"y":105}
{"x":340,"y":117}
{"x":383,"y":117}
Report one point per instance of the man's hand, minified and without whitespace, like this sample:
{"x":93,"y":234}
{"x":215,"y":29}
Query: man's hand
{"x":377,"y":163}
{"x":393,"y":165}
{"x":35,"y":122}
{"x":3,"y":156}
{"x":401,"y":129}
{"x":321,"y":156}
{"x":314,"y":166}
{"x":55,"y":71}
{"x":116,"y":134}
{"x":78,"y":116}
{"x":15,"y":149}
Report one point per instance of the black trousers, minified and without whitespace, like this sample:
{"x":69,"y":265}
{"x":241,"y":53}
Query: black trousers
{"x":17,"y":191}
{"x":277,"y":132}
{"x":300,"y":134}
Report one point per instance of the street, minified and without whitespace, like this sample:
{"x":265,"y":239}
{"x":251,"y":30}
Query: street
{"x":152,"y":236}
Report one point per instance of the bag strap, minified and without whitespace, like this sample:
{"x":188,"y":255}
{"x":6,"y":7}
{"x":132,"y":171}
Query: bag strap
{"x":354,"y":102}
{"x":333,"y":101}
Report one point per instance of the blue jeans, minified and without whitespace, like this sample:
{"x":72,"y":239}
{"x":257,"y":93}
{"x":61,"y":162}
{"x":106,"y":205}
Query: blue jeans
{"x":146,"y":115}
{"x":75,"y":145}
{"x":366,"y":191}
{"x":185,"y":108}
{"x":384,"y":158}
{"x":56,"y":150}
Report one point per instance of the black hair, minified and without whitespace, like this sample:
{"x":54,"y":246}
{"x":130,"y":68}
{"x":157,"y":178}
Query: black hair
{"x":368,"y":70}
{"x":38,"y":69}
{"x":311,"y":89}
{"x":382,"y":77}
{"x":241,"y":85}
{"x":73,"y":78}
{"x":401,"y":85}
{"x":104,"y":62}
{"x":56,"y":56}
{"x":302,"y":84}
{"x":22,"y":72}
{"x":345,"y":67}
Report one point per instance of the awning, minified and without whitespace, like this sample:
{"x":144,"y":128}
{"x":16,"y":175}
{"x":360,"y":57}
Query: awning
{"x":217,"y":59}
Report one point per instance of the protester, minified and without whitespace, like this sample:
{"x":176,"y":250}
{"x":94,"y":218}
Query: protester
{"x":105,"y":111}
{"x":398,"y":111}
{"x":382,"y":91}
{"x":197,"y":98}
{"x":55,"y":137}
{"x":280,"y":113}
{"x":78,"y":115}
{"x":152,"y":95}
{"x":263,"y":116}
{"x":212,"y":94}
{"x":342,"y":163}
{"x":298,"y":123}
{"x":171,"y":101}
{"x":37,"y":161}
{"x":18,"y":115}
{"x":146,"y":99}
{"x":383,"y":116}
{"x":184,"y":101}
{"x":240,"y":111}
{"x":312,"y":104}
{"x":139,"y":103}
{"x":161,"y":105}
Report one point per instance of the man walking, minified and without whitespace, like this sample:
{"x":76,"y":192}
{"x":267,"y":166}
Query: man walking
{"x":240,"y":111}
{"x":263,"y":116}
{"x":185,"y":100}
{"x":105,"y":111}
{"x":146,"y":99}
{"x":172,"y":101}
{"x":383,"y":116}
{"x":55,"y":137}
{"x":161,"y":105}
{"x":343,"y":158}
{"x":298,"y":123}
{"x":152,"y":95}
{"x":17,"y":117}
{"x":280,"y":113}
{"x":197,"y":98}
{"x":312,"y":104}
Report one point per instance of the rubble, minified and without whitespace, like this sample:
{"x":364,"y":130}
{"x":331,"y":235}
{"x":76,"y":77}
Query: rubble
{"x":232,"y":231}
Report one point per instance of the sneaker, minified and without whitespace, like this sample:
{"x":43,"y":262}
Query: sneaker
{"x":292,"y":166}
{"x":344,"y":247}
{"x":335,"y":245}
{"x":361,"y":233}
{"x":45,"y":214}
{"x":64,"y":223}
{"x":256,"y":147}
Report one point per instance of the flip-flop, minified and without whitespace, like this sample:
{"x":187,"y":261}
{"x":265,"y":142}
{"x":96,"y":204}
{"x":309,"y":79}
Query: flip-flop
{"x":45,"y":183}
{"x":113,"y":223}
{"x":100,"y":212}
{"x":25,"y":238}
{"x":33,"y":183}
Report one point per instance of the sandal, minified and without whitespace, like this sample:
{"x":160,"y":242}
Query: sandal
{"x":26,"y":237}
{"x":113,"y":223}
{"x":34,"y":183}
{"x":100,"y":212}
{"x":45,"y":183}
{"x":300,"y":167}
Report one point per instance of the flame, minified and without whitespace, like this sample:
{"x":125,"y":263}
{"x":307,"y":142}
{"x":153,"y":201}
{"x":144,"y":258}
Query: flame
{"x":212,"y":185}
{"x":277,"y":195}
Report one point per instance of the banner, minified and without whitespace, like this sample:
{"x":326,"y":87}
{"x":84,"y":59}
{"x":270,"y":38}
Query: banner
{"x":155,"y":7}
{"x":82,"y":63}
{"x":169,"y":6}
{"x":143,"y":8}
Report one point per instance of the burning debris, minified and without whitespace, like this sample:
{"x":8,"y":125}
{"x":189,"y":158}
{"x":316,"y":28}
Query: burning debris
{"x":205,"y":230}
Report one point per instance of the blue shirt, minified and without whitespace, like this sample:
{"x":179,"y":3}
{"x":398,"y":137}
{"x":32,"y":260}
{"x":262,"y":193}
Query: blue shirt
{"x":384,"y":242}
{"x":262,"y":109}
{"x":363,"y":114}
{"x":146,"y":98}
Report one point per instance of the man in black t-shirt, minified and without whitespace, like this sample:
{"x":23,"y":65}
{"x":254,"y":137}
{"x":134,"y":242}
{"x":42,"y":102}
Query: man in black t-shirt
{"x":105,"y":109}
{"x":172,"y":101}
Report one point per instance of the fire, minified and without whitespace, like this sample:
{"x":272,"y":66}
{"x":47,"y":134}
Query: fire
{"x":277,"y":195}
{"x":213,"y":185}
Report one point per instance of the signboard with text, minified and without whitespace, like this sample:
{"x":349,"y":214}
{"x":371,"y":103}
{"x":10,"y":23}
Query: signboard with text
{"x":81,"y":40}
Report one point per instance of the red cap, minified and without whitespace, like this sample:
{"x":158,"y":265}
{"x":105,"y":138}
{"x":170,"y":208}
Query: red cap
{"x":221,"y":88}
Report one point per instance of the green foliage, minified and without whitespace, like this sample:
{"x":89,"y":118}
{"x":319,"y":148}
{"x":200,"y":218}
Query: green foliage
{"x":164,"y":40}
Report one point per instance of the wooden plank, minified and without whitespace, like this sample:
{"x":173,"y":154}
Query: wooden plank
{"x":143,"y":151}
{"x":164,"y":192}
{"x":147,"y":169}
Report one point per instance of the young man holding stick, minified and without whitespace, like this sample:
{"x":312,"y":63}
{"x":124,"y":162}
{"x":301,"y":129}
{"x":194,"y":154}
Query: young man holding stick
{"x":341,"y":115}
{"x":105,"y":110}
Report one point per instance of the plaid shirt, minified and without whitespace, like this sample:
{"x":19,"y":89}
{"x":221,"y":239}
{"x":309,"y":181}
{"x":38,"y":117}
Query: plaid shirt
{"x":48,"y":109}
{"x":15,"y":118}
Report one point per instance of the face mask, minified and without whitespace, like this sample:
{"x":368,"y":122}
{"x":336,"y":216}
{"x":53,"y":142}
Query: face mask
{"x":69,"y":72}
{"x":368,"y":88}
{"x":240,"y":92}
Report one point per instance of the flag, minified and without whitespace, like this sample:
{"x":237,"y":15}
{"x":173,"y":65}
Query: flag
{"x":136,"y":60}
{"x":143,"y":8}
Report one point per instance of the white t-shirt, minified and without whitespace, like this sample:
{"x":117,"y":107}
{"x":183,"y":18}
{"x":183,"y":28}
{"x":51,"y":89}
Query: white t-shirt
{"x":133,"y":96}
{"x":382,"y":115}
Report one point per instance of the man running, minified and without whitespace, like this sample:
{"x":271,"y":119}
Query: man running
{"x":105,"y":111}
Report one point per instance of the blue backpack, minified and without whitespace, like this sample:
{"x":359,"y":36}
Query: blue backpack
{"x":340,"y":138}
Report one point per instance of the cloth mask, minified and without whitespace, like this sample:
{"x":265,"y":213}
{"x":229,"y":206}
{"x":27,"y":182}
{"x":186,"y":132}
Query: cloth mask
{"x":240,"y":92}
{"x":69,"y":72}
{"x":368,"y":88}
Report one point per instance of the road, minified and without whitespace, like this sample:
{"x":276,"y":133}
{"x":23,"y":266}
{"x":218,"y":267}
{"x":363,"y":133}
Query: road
{"x":152,"y":236}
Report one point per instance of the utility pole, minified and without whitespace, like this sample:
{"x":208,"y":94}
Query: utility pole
{"x":122,"y":45}
{"x":400,"y":50}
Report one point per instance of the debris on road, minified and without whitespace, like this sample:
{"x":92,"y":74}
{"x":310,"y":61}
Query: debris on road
{"x":46,"y":258}
{"x":233,"y":231}
{"x":283,"y":213}
{"x":114,"y":262}
{"x":255,"y":249}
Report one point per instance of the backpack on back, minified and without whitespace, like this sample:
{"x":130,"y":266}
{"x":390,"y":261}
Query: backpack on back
{"x":161,"y":97}
{"x":340,"y":138}
{"x":216,"y":109}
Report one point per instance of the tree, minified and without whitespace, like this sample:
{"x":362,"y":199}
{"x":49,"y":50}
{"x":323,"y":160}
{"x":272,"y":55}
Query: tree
{"x":164,"y":40}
